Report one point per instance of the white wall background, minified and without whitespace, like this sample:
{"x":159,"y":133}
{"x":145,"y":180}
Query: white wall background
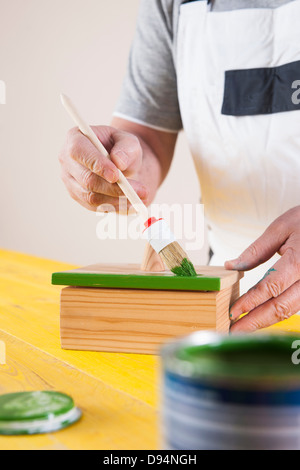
{"x":79,"y":47}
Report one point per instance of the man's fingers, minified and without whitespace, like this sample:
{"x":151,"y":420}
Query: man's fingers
{"x":88,"y":199}
{"x":85,"y":153}
{"x":95,"y":172}
{"x":262,"y":249}
{"x":271,"y":312}
{"x":90,"y":181}
{"x":126,"y":152}
{"x":91,"y":190}
{"x":277,"y":295}
{"x":124,"y":148}
{"x":280,"y":277}
{"x":257,"y":253}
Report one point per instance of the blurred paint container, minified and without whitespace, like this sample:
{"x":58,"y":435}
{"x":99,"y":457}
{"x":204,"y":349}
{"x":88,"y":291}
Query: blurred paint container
{"x":231,"y":392}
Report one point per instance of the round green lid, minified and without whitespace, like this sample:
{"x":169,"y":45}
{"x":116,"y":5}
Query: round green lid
{"x":33,"y":405}
{"x":35,"y":412}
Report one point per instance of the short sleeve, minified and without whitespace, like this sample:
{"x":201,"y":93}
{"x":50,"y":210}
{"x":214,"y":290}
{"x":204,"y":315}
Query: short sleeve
{"x":149,"y":90}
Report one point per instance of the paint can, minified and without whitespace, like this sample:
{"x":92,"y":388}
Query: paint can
{"x":231,"y":392}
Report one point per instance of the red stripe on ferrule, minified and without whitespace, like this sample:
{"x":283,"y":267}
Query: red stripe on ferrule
{"x":150,"y":222}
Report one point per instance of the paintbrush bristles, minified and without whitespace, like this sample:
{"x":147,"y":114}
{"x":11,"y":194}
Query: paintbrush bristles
{"x":177,"y":260}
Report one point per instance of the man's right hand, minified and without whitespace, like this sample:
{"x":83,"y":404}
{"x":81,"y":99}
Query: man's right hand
{"x":90,"y":177}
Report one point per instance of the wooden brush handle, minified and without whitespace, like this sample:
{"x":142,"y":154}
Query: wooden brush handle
{"x":122,"y":182}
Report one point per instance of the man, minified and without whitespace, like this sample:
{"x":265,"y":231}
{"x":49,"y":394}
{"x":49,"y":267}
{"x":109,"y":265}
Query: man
{"x":228,"y":73}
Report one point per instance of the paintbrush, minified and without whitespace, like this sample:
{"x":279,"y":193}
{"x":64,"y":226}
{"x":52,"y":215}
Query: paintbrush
{"x":156,"y":231}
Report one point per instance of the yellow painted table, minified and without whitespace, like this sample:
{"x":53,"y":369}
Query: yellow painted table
{"x":118,"y":393}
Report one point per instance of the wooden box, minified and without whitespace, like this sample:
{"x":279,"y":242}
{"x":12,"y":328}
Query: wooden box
{"x":124,"y":309}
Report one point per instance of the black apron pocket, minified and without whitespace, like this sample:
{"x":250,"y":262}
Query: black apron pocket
{"x":262,"y":91}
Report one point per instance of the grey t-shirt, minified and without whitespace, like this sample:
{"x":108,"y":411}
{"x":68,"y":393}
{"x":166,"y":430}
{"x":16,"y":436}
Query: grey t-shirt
{"x":149,"y":91}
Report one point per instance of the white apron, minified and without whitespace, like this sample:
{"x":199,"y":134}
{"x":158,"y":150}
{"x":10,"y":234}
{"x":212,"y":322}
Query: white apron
{"x":244,"y":134}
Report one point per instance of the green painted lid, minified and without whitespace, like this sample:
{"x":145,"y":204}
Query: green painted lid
{"x":36,"y":412}
{"x":142,"y":281}
{"x":130,"y":276}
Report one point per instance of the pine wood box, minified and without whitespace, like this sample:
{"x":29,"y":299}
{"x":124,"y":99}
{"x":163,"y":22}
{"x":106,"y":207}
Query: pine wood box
{"x":123,"y":309}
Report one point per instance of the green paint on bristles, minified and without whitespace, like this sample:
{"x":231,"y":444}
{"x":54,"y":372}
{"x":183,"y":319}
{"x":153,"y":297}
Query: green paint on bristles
{"x":185,"y":269}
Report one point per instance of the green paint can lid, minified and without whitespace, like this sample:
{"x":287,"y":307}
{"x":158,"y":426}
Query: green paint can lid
{"x":36,"y":412}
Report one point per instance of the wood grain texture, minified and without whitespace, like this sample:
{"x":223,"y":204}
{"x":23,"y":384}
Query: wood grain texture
{"x":111,"y":419}
{"x":29,"y":310}
{"x":29,"y":317}
{"x":225,"y":298}
{"x":152,"y":262}
{"x":138,"y":321}
{"x":2,"y":352}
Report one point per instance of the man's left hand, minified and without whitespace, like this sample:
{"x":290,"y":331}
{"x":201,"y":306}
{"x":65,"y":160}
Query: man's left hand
{"x":276,"y":296}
